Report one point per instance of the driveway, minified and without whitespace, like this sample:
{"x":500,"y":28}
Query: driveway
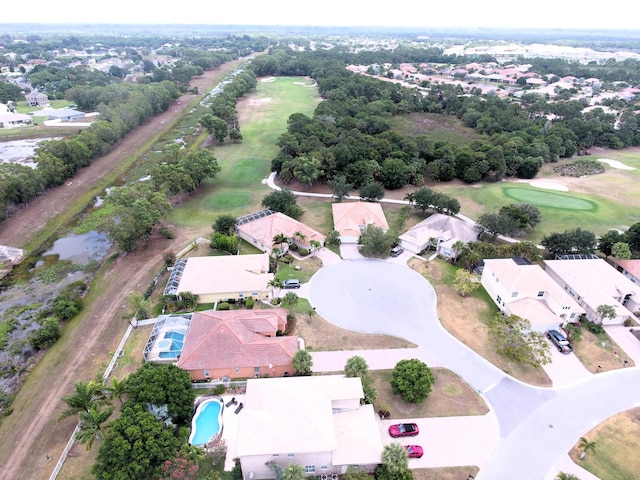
{"x":565,"y":369}
{"x":626,"y":340}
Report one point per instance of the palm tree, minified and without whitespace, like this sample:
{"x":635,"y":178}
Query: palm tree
{"x":300,"y":236}
{"x":394,"y":458}
{"x":293,"y":472}
{"x":302,"y":363}
{"x":279,"y":240}
{"x":456,"y":249}
{"x":84,"y":397}
{"x":117,"y":389}
{"x":410,"y":198}
{"x":91,"y":424}
{"x":289,"y":301}
{"x":606,"y":312}
{"x":315,"y":246}
{"x":585,"y":445}
{"x":276,"y":285}
{"x":566,"y":476}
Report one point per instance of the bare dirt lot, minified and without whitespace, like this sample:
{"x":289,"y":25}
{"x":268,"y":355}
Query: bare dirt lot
{"x":32,"y":439}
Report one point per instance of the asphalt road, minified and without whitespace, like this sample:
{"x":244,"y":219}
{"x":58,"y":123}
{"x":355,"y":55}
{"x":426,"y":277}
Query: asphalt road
{"x":537,"y":425}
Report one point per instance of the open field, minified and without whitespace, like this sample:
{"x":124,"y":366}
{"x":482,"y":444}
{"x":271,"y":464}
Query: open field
{"x":436,"y":127}
{"x":617,"y":444}
{"x":450,"y":396}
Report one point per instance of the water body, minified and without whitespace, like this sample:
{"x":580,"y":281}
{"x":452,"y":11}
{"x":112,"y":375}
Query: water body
{"x":81,"y":249}
{"x":21,"y":151}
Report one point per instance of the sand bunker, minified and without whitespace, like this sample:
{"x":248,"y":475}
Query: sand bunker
{"x":616,"y":164}
{"x":549,"y":185}
{"x":268,"y":79}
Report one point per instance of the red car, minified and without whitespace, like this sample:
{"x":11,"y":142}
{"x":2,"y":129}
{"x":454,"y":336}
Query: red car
{"x":404,"y":430}
{"x":414,"y":451}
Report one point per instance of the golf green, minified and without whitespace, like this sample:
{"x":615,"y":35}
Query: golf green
{"x":541,"y":198}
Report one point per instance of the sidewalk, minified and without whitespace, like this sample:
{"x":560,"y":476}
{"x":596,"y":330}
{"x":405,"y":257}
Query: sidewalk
{"x":626,"y":340}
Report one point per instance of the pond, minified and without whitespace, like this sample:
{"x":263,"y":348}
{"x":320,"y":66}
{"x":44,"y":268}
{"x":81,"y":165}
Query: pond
{"x":21,"y":151}
{"x":81,"y":249}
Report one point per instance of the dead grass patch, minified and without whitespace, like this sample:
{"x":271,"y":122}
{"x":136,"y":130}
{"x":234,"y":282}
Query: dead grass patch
{"x":445,"y":473}
{"x":450,"y":396}
{"x":591,"y":352}
{"x":617,"y":444}
{"x":466,"y":319}
{"x":322,"y":335}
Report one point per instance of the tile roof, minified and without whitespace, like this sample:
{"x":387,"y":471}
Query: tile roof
{"x":631,"y":266}
{"x":265,"y":228}
{"x":441,"y":227}
{"x":236,"y":338}
{"x":348,"y":217}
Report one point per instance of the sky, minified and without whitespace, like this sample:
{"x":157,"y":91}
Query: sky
{"x":410,"y":13}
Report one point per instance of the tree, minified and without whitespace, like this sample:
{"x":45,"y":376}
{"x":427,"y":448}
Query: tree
{"x":217,"y":127}
{"x":570,"y":242}
{"x":293,"y":472}
{"x":225,"y":223}
{"x":574,"y":332}
{"x":515,"y":340}
{"x":566,"y":476}
{"x":91,"y":424}
{"x":524,"y":214}
{"x":498,"y":224}
{"x":465,"y":282}
{"x":275,"y":284}
{"x":606,"y":241}
{"x":375,"y":242}
{"x":356,"y":366}
{"x":289,"y":301}
{"x":283,"y":201}
{"x":621,"y":251}
{"x":315,"y":246}
{"x":383,"y":474}
{"x":412,"y":380}
{"x":135,"y":446}
{"x":116,"y":389}
{"x":371,"y":192}
{"x":339,"y":187}
{"x":281,"y":239}
{"x":394,"y":173}
{"x":355,"y":473}
{"x":163,"y":385}
{"x":300,"y":236}
{"x":84,"y":397}
{"x":394,"y":458}
{"x":46,"y":335}
{"x":302,"y":363}
{"x":182,"y":467}
{"x":606,"y":312}
{"x":307,"y":170}
{"x":586,"y":446}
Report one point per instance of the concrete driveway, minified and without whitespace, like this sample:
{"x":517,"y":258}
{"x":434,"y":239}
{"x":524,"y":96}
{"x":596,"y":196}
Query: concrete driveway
{"x":374,"y":296}
{"x":565,"y":369}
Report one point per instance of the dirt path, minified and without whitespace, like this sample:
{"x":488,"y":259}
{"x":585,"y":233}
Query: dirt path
{"x":16,"y":231}
{"x":32,"y":438}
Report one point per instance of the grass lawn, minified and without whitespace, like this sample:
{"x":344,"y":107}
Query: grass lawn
{"x":447,"y":128}
{"x":446,"y":473}
{"x":466,"y":319}
{"x":592,"y":353}
{"x":302,"y":270}
{"x":450,"y":396}
{"x":617,"y":444}
{"x":238,"y":188}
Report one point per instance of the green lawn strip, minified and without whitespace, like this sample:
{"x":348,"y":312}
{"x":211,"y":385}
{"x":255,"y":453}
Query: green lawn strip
{"x":445,"y":473}
{"x":450,"y":396}
{"x":238,"y":188}
{"x":302,"y":270}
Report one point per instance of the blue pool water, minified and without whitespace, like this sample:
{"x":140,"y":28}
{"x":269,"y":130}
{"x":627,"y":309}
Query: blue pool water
{"x":171,"y":344}
{"x":206,"y":423}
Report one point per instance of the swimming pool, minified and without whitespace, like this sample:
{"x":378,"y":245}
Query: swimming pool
{"x":207,"y":422}
{"x":170,"y":345}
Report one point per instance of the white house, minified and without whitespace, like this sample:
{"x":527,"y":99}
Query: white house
{"x":316,"y":422}
{"x":592,"y":283}
{"x":439,"y":231}
{"x":520,"y":288}
{"x":351,"y":218}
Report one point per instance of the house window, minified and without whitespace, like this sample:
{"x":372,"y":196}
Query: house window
{"x":206,"y":373}
{"x":255,"y":294}
{"x":541,"y":294}
{"x":256,"y":371}
{"x":276,"y":454}
{"x":498,"y":299}
{"x":240,"y":295}
{"x":237,"y":369}
{"x":324,"y":467}
{"x":310,"y":468}
{"x":514,"y":294}
{"x":290,"y":455}
{"x":573,"y":315}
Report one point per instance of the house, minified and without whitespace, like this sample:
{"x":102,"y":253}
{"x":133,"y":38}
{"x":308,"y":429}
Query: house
{"x":520,"y":288}
{"x":238,"y":344}
{"x":10,"y":120}
{"x":593,"y":282}
{"x":439,"y":231}
{"x":229,"y":277}
{"x":629,"y":268}
{"x":65,"y":114}
{"x":260,"y":228}
{"x":37,"y":99}
{"x":316,"y":422}
{"x":351,"y":218}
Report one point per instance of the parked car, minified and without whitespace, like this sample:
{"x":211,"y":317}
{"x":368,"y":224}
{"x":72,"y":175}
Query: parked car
{"x":560,"y":341}
{"x":404,"y":430}
{"x":396,"y":251}
{"x":414,"y":451}
{"x":292,"y":283}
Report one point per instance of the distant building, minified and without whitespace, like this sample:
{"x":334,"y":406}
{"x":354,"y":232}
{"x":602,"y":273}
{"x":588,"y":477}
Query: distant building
{"x":351,"y":218}
{"x":37,"y":99}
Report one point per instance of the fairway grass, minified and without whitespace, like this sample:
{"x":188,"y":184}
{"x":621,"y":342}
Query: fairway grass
{"x":238,"y":188}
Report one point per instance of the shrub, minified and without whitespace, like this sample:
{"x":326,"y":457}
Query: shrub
{"x":249,"y":303}
{"x":220,"y":389}
{"x":223,"y":306}
{"x":628,"y":322}
{"x":47,"y":335}
{"x":594,"y":328}
{"x":304,"y":252}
